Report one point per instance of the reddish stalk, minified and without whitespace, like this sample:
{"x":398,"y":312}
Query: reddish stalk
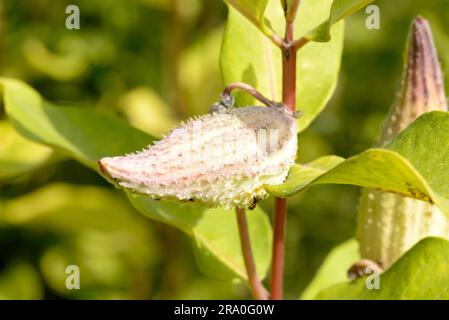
{"x":280,"y":211}
{"x":299,"y":43}
{"x":250,"y":90}
{"x":257,"y":289}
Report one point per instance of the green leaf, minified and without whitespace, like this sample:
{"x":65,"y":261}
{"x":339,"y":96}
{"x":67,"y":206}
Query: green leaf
{"x":217,"y":239}
{"x":253,"y":10}
{"x":67,"y":208}
{"x":340,"y":10}
{"x":414,"y":164}
{"x":215,"y":235}
{"x":81,"y":133}
{"x":421,"y":273}
{"x":248,"y":56}
{"x":87,"y":136}
{"x":334,"y":268}
{"x":19,"y":155}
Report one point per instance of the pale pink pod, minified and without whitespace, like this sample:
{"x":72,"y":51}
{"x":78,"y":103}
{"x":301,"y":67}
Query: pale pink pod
{"x":221,"y":159}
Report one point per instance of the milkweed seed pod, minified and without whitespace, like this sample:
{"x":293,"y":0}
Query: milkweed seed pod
{"x":222,"y":159}
{"x":389,"y":224}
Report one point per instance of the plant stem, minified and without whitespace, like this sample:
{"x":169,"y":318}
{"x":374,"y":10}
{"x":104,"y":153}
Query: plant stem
{"x":277,"y":267}
{"x":299,"y":43}
{"x":257,"y":289}
{"x":250,"y":90}
{"x":289,"y":99}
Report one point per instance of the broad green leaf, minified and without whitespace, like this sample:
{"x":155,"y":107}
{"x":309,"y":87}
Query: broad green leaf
{"x":179,"y":216}
{"x":253,"y":10}
{"x":81,"y":133}
{"x":87,"y":136}
{"x":19,"y":155}
{"x":421,"y":273}
{"x":340,"y":9}
{"x":248,"y":56}
{"x":414,"y":164}
{"x":334,"y":268}
{"x":215,"y":235}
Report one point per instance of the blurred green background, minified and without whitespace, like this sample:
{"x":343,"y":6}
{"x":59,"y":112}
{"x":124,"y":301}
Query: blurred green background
{"x":154,"y":63}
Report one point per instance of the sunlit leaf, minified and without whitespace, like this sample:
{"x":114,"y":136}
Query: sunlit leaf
{"x":421,"y":273}
{"x":81,"y":133}
{"x":215,"y":235}
{"x":253,"y":10}
{"x":334,"y":268}
{"x":414,"y":164}
{"x":248,"y":56}
{"x":340,"y":9}
{"x":217,"y":240}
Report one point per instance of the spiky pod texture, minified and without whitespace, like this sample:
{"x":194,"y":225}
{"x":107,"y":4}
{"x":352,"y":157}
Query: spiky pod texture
{"x":221,"y":159}
{"x":389,"y":224}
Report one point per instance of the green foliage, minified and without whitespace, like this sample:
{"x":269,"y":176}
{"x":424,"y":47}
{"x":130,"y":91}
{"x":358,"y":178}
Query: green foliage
{"x":253,"y":10}
{"x":248,"y":56}
{"x":340,"y":9}
{"x":87,"y":136}
{"x":413,"y":164}
{"x":215,"y":235}
{"x":81,"y":133}
{"x":20,"y":281}
{"x":113,"y":64}
{"x":421,"y":273}
{"x":18,"y":155}
{"x":146,"y":111}
{"x":97,"y":228}
{"x":334,"y":268}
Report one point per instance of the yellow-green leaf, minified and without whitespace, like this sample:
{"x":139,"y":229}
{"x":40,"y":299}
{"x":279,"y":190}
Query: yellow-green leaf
{"x":422,"y":273}
{"x":248,"y":56}
{"x":414,"y":164}
{"x":340,"y":10}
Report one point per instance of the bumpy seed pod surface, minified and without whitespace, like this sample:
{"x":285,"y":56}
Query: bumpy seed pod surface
{"x":389,"y":224}
{"x":221,"y":159}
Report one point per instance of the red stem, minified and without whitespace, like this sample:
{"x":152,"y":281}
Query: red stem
{"x":280,"y":211}
{"x":299,"y":43}
{"x":257,"y":289}
{"x":250,"y":90}
{"x":277,"y":273}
